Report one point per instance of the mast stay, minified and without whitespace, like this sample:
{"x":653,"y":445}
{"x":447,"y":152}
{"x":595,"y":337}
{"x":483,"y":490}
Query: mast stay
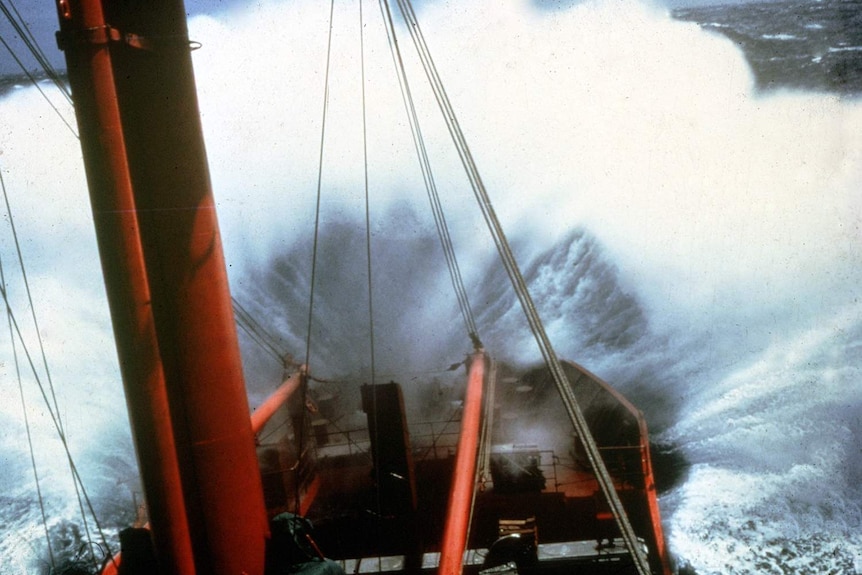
{"x":561,"y":382}
{"x":165,"y":324}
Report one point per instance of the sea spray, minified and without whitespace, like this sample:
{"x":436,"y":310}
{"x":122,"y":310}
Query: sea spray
{"x":723,"y":223}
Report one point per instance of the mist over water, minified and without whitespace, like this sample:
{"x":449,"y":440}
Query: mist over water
{"x":691,"y":239}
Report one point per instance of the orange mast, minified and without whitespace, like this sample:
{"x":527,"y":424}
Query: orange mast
{"x":133,"y":87}
{"x":457,"y":524}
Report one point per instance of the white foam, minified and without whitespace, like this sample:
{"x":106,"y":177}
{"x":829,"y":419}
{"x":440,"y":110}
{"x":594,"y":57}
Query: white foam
{"x":732,"y":215}
{"x":648,"y":130}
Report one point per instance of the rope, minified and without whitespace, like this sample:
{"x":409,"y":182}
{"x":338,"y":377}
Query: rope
{"x":563,"y":386}
{"x":428,"y":176}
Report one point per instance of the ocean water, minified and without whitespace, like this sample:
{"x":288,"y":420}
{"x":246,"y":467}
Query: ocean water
{"x":682,"y":190}
{"x":803,"y":45}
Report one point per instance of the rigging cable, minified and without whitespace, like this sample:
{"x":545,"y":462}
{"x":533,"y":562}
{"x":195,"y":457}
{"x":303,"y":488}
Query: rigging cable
{"x":27,"y":427}
{"x":485,"y":437}
{"x":561,"y":381}
{"x":30,"y":300}
{"x":38,"y":87}
{"x":255,"y":331}
{"x":80,"y":490}
{"x":76,"y":476}
{"x":33,"y":46}
{"x":367,"y":199}
{"x":375,"y":455}
{"x":428,"y":176}
{"x":319,"y":186}
{"x":486,"y":441}
{"x":304,"y":386}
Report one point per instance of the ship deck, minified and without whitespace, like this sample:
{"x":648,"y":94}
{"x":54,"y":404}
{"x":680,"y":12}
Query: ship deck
{"x":548,"y":486}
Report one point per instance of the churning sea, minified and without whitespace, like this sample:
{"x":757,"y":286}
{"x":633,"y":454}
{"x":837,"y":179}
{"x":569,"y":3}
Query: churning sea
{"x":683,"y":190}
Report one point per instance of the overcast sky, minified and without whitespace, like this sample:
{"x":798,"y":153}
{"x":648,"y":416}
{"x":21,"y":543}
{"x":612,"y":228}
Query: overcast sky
{"x":42,"y":21}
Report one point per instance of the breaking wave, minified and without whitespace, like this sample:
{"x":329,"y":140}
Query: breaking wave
{"x":687,"y":237}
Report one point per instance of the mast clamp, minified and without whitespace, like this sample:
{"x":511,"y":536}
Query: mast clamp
{"x":101,"y":35}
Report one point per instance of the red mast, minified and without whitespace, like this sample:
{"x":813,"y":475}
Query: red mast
{"x":455,"y":530}
{"x":161,"y":252}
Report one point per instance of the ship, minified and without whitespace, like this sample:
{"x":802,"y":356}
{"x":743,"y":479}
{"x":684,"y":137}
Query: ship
{"x":303,"y":483}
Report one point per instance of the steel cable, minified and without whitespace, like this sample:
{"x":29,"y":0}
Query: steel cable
{"x":428,"y":176}
{"x":519,"y":284}
{"x":27,"y":428}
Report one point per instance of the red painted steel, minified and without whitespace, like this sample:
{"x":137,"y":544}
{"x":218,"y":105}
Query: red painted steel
{"x":661,"y":559}
{"x":652,"y":498}
{"x":188,"y":281}
{"x":88,"y":60}
{"x":454,"y":540}
{"x":112,"y":568}
{"x":185,"y":271}
{"x":278,"y":398}
{"x":309,"y":496}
